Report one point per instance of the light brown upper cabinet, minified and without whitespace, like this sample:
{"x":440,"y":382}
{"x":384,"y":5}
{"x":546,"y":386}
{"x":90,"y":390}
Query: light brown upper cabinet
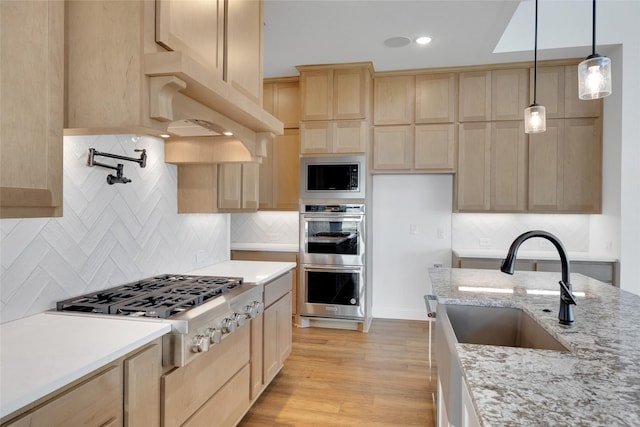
{"x":492,"y":167}
{"x":474,"y":167}
{"x":238,"y":187}
{"x":509,"y":94}
{"x":392,"y":148}
{"x":335,"y":92}
{"x":329,"y":137}
{"x":435,"y":148}
{"x":194,"y":27}
{"x":436,"y":98}
{"x":281,"y":97}
{"x":280,"y":173}
{"x":414,"y":148}
{"x":336,"y":104}
{"x":565,"y":167}
{"x":31,"y":111}
{"x":393,"y":100}
{"x":474,"y":100}
{"x":558,"y":92}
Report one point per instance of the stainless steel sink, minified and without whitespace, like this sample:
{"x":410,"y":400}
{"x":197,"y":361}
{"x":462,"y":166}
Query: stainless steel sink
{"x":502,"y":326}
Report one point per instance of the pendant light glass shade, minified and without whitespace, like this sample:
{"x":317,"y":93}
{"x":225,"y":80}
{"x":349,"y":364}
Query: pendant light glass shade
{"x":594,"y":73}
{"x":594,"y":77}
{"x":535,"y":119}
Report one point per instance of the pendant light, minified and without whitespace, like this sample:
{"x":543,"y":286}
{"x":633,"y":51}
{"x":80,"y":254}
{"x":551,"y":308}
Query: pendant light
{"x":594,"y":73}
{"x":535,"y":120}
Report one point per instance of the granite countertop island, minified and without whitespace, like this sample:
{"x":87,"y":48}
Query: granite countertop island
{"x":597,"y":383}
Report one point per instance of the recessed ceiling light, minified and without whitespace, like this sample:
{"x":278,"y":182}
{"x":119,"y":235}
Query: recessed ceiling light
{"x":423,"y":40}
{"x":397,"y":41}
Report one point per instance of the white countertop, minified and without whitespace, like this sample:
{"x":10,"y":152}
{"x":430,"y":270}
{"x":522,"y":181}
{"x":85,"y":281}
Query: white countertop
{"x":532,"y":255}
{"x":41,"y":353}
{"x":266,"y":247}
{"x":259,"y":272}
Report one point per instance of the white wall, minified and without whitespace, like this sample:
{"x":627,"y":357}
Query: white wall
{"x":411,"y":232}
{"x":109,"y":234}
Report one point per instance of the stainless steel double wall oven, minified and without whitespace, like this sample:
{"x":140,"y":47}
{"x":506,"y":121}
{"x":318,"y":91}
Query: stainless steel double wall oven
{"x":332,"y":260}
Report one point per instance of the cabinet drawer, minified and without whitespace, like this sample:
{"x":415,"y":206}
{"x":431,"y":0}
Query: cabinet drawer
{"x":227,"y":405}
{"x":95,"y":402}
{"x":186,"y":389}
{"x":275,"y":289}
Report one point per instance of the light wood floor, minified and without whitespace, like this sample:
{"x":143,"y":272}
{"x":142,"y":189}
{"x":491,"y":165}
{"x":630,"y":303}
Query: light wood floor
{"x":347,"y":378}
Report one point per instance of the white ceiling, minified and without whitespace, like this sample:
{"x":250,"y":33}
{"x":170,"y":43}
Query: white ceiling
{"x":464,"y":32}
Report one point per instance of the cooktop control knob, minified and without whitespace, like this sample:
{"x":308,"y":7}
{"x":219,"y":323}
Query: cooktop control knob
{"x":200,"y":344}
{"x":259,"y":305}
{"x":250,"y":311}
{"x":214,"y":335}
{"x":229,"y":326}
{"x":239,"y":318}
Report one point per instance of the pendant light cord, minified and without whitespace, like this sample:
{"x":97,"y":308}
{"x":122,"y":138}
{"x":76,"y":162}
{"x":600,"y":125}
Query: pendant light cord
{"x":593,"y":30}
{"x":535,"y":58}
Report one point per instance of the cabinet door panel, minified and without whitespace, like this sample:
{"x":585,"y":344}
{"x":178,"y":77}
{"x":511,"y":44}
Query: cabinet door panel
{"x":243,"y":60}
{"x":473,"y":176}
{"x":195,"y":27}
{"x":509,"y":94}
{"x":436,"y":98}
{"x":230,"y":186}
{"x":287,"y":104}
{"x":316,"y":88}
{"x":475,"y":96}
{"x":393,"y":100}
{"x":508,"y":166}
{"x":545,"y":167}
{"x":582,"y":166}
{"x":266,"y":187}
{"x":250,"y":185}
{"x":316,"y":138}
{"x":349,"y":93}
{"x":349,"y":136}
{"x":142,"y":387}
{"x":550,"y":90}
{"x":435,"y":147}
{"x":286,"y":170}
{"x":392,"y":147}
{"x":31,"y":83}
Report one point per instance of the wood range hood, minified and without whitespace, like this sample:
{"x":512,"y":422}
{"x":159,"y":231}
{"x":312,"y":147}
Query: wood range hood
{"x":146,"y":83}
{"x":194,"y":104}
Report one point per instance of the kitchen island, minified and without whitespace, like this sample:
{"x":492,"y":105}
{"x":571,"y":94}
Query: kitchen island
{"x":596,"y":383}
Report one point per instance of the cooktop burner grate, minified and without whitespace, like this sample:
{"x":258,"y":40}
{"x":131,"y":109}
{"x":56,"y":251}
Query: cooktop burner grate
{"x":159,"y":296}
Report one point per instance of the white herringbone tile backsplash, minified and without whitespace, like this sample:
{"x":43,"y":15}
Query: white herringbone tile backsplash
{"x":265,"y":227}
{"x":109,"y":234}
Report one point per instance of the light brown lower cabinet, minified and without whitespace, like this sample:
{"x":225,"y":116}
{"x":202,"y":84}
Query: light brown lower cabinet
{"x":125,"y":392}
{"x":605,"y":271}
{"x":277,"y":336}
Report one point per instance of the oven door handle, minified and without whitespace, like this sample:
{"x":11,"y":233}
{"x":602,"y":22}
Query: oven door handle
{"x":341,"y":268}
{"x":333,"y":218}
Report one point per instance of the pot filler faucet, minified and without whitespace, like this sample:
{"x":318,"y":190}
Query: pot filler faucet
{"x":567,"y":300}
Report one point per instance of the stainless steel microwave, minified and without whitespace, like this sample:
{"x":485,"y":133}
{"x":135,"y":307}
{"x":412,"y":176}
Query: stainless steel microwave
{"x":340,"y":177}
